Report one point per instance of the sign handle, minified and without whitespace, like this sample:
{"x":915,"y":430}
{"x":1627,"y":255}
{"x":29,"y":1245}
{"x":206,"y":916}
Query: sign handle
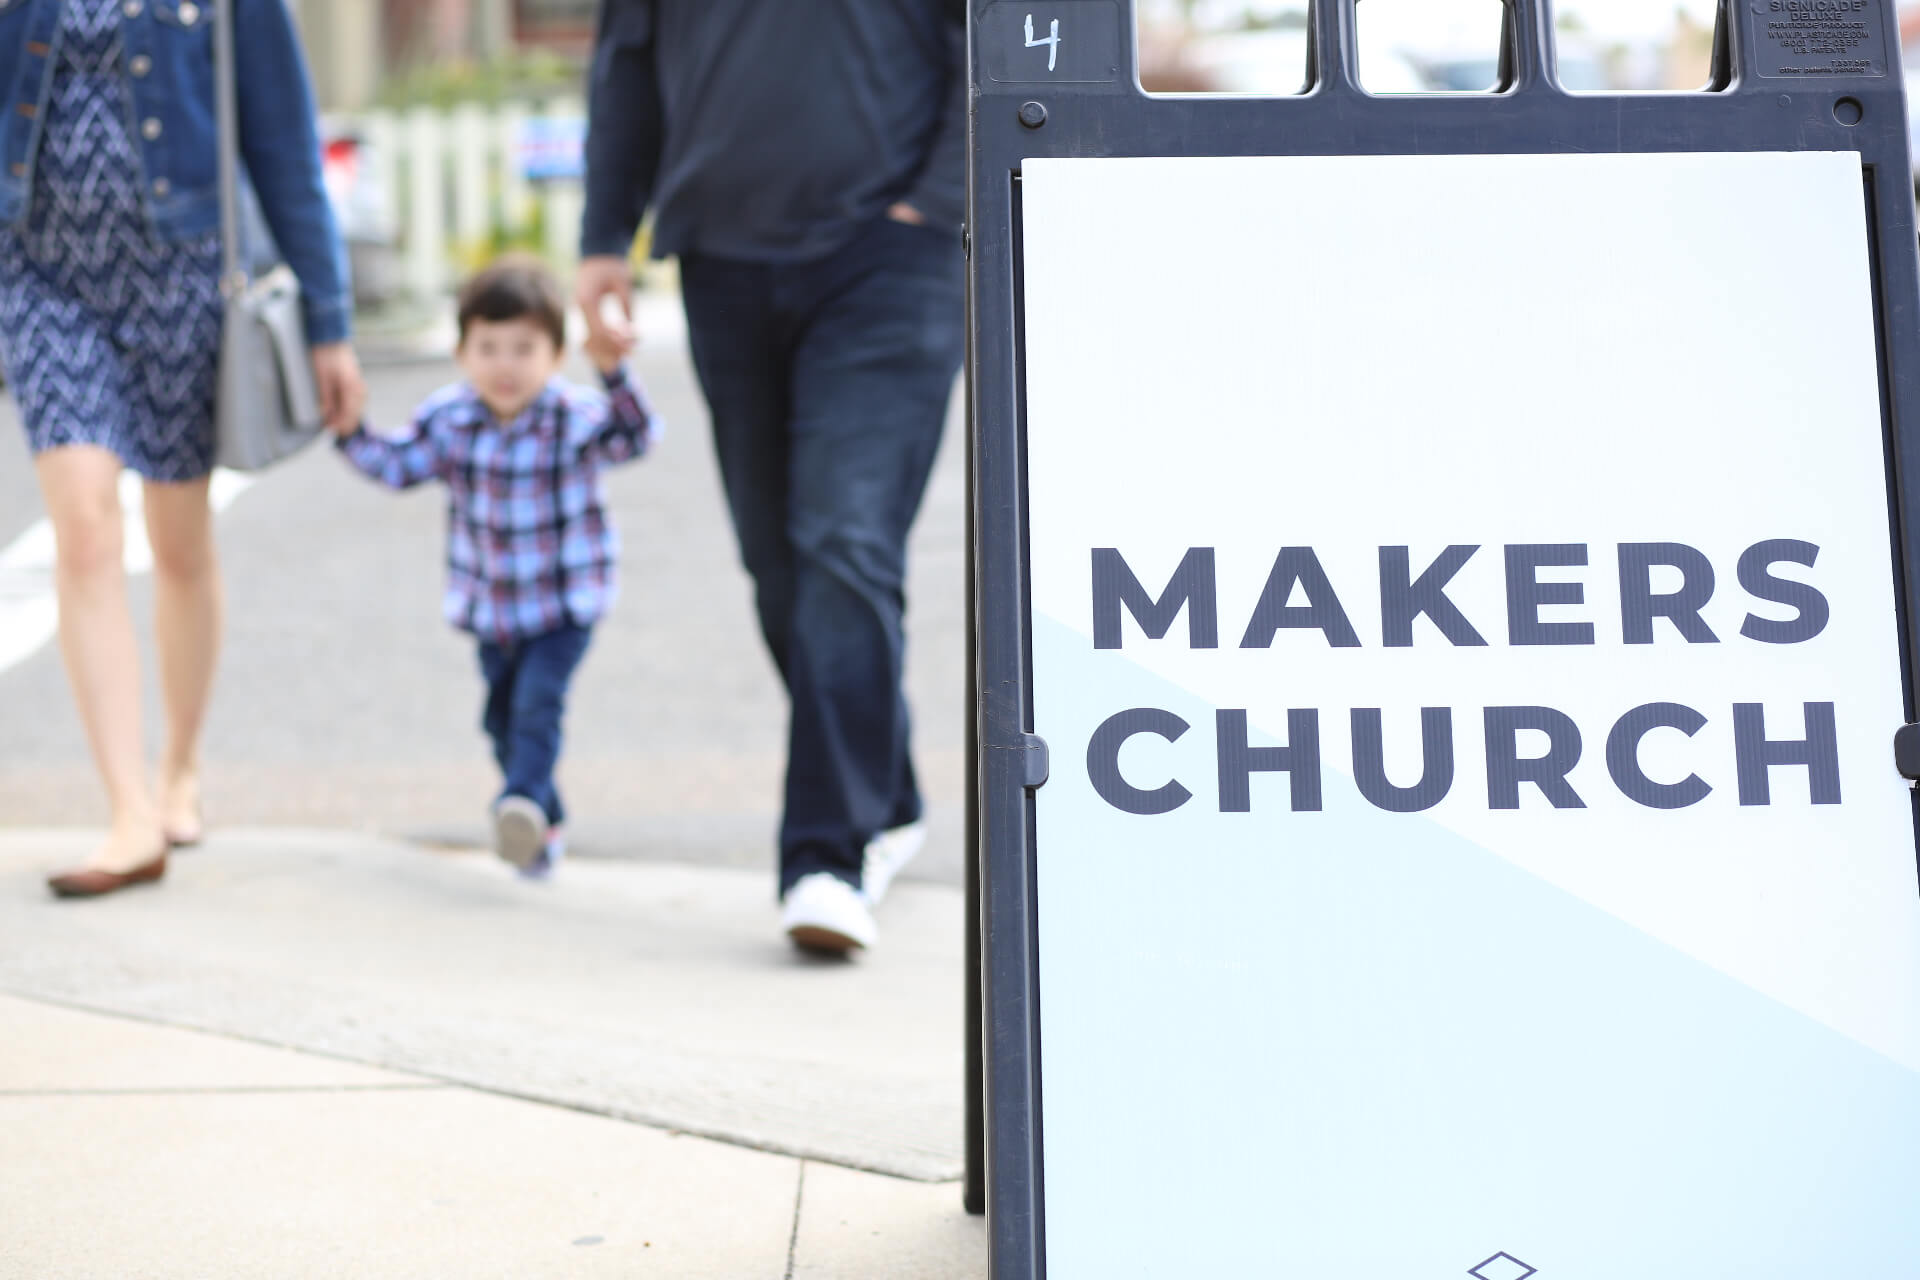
{"x":1333,"y":48}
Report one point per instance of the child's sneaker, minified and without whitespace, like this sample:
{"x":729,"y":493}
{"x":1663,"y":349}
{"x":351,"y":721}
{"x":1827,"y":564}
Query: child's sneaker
{"x":547,"y":861}
{"x":519,"y":830}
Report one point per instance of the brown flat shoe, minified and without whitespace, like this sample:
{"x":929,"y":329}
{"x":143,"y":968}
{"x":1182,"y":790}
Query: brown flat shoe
{"x":93,"y":884}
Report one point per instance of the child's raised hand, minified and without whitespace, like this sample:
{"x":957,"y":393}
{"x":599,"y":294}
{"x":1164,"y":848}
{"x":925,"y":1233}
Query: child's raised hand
{"x":607,"y":347}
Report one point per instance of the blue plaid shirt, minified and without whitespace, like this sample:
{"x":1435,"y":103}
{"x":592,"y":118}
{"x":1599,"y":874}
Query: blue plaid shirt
{"x":530,"y":546}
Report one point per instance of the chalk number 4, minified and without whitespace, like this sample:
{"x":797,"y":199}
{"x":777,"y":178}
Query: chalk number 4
{"x":1052,"y":42}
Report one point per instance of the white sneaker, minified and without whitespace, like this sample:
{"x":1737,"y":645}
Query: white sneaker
{"x":548,"y":860}
{"x":886,"y":854}
{"x":824,"y":913}
{"x":519,"y":830}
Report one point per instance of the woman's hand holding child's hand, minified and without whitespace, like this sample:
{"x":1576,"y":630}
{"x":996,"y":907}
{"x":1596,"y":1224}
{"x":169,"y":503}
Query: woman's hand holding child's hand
{"x":343,"y":391}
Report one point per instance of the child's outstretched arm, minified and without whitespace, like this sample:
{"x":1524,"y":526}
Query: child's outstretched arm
{"x":399,"y":462}
{"x":630,"y":427}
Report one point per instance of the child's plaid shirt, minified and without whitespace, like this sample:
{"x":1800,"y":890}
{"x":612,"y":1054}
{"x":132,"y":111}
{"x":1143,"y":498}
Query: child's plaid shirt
{"x":530,"y":547}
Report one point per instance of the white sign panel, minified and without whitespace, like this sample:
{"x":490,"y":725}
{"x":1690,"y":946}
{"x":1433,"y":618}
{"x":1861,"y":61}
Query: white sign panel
{"x":1464,"y":626}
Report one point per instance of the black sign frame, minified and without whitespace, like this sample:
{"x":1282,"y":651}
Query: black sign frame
{"x":1079,"y":96}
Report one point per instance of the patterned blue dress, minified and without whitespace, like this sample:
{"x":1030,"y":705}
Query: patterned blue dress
{"x":109,"y":334}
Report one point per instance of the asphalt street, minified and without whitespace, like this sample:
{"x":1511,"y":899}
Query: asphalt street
{"x":344,"y":702}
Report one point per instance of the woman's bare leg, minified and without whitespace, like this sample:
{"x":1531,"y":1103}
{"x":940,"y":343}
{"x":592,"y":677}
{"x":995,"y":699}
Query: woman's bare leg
{"x":79,"y":487}
{"x":187,"y":612}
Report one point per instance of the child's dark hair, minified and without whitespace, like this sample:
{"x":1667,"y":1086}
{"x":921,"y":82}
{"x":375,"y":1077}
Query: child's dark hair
{"x":516,"y":287}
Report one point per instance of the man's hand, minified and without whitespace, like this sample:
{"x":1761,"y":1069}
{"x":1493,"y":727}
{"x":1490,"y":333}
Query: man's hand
{"x":600,"y":278}
{"x":904,"y":212}
{"x":607,"y":351}
{"x":343,"y":392}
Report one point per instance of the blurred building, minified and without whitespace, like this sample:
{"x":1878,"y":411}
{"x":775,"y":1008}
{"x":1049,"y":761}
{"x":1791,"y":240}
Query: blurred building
{"x":356,"y":45}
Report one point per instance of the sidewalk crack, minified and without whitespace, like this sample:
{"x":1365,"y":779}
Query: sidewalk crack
{"x":793,"y":1242}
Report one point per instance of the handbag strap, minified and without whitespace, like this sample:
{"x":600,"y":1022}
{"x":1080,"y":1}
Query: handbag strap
{"x":233,"y":276}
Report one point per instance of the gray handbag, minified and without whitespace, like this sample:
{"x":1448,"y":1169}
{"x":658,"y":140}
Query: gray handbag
{"x":268,"y":406}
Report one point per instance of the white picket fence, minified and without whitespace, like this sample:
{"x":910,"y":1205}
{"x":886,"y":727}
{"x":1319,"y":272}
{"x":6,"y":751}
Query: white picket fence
{"x":446,"y":184}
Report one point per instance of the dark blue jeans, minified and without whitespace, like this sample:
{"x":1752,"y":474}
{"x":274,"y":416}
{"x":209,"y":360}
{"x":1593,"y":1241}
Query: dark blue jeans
{"x":527,"y":684}
{"x":828,"y":384}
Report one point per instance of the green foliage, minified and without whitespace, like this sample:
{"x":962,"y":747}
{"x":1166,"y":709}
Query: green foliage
{"x":1288,"y":20}
{"x":531,"y":74}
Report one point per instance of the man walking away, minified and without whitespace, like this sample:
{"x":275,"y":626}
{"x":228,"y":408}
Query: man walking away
{"x":805,"y":161}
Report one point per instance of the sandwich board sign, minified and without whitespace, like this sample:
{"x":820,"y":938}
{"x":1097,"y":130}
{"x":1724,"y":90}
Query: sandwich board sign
{"x":1445,"y":612}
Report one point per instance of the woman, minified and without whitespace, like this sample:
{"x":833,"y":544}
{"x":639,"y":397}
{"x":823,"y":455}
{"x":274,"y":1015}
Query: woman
{"x":110,"y":313}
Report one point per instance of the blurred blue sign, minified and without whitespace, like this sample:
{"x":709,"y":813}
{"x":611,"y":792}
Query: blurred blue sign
{"x":553,"y":148}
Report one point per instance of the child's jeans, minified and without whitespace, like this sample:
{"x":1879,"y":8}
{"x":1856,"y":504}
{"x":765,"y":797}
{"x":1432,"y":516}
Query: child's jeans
{"x":526,"y":697}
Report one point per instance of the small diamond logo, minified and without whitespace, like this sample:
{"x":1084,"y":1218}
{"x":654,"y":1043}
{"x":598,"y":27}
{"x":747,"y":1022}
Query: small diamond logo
{"x":1502,"y":1266}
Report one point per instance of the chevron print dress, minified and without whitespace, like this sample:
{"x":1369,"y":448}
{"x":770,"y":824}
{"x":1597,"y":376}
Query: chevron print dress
{"x":109,"y":335}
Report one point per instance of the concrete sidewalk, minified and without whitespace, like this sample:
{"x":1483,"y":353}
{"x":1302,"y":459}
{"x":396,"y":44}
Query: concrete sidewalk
{"x":374,"y":1030}
{"x":129,"y":1149}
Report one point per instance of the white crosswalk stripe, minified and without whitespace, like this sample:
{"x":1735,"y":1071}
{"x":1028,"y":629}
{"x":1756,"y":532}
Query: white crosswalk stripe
{"x":29,"y":613}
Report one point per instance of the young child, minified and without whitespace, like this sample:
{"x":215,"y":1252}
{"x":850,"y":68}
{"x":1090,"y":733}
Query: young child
{"x":530,"y":545}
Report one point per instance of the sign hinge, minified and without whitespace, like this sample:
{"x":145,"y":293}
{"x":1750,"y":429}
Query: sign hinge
{"x":1039,"y":762}
{"x":1906,"y":751}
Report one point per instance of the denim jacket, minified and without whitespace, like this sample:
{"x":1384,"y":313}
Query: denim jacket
{"x":168,"y":63}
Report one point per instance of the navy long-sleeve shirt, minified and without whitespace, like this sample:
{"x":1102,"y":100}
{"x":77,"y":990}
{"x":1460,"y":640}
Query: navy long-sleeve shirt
{"x":770,"y":130}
